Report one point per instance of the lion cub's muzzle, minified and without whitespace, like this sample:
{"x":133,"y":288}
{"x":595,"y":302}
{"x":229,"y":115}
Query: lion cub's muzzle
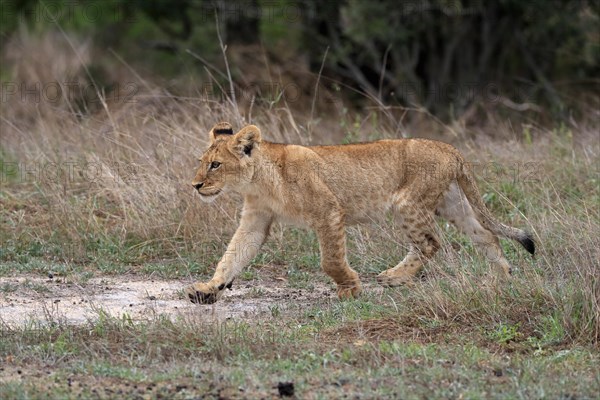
{"x":207,"y":194}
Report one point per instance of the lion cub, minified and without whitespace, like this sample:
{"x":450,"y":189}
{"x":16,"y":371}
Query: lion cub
{"x":326,"y":187}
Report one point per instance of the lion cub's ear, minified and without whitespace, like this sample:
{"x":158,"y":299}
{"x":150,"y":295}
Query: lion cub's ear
{"x":221,"y":128}
{"x":246,"y":140}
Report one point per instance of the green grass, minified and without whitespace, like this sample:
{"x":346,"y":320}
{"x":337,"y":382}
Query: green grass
{"x":179,"y":358}
{"x":8,"y":287}
{"x":456,"y":333}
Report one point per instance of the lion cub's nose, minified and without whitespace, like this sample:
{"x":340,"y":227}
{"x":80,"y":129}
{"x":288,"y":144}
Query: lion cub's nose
{"x":198,"y":186}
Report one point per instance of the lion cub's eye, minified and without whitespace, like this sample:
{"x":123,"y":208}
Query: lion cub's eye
{"x":215,"y":165}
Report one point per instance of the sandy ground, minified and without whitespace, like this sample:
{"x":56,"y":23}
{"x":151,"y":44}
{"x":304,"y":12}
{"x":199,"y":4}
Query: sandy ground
{"x":33,"y":298}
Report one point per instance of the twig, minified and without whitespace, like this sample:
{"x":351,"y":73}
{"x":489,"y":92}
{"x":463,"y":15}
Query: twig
{"x":314,"y":101}
{"x":531,"y":63}
{"x":519,"y":106}
{"x":382,"y":74}
{"x":206,"y":63}
{"x":223,"y":50}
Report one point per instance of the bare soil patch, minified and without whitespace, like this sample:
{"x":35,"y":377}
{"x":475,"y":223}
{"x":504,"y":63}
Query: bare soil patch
{"x":33,"y":298}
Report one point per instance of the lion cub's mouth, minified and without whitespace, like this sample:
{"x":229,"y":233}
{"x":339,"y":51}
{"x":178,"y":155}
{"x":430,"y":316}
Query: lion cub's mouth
{"x":208,"y":197}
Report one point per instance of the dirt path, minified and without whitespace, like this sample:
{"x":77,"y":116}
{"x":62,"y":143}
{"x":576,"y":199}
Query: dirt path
{"x":28,"y":298}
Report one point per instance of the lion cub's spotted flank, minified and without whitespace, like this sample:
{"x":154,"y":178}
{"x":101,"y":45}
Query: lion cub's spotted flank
{"x":327,"y":187}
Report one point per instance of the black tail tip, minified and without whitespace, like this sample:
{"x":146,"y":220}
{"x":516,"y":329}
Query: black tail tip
{"x":528,"y":243}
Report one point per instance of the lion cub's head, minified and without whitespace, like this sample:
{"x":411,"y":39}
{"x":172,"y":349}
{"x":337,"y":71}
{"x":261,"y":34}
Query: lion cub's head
{"x":229,"y":163}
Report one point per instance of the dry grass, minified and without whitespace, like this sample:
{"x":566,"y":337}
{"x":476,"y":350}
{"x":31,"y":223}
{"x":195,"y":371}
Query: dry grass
{"x":120,"y":176}
{"x":113,"y":184}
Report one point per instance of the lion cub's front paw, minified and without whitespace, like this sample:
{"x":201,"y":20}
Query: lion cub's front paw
{"x":206,"y":293}
{"x":203,"y":293}
{"x":391,"y":278}
{"x":350,"y":291}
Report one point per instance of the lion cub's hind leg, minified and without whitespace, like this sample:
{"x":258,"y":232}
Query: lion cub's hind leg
{"x":455,"y":208}
{"x":419,"y":227}
{"x":332,"y":243}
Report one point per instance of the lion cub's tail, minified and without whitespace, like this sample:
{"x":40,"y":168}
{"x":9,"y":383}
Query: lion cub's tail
{"x":467,"y":183}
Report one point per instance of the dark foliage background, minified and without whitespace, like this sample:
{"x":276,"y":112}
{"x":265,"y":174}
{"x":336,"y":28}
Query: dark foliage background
{"x":445,"y":55}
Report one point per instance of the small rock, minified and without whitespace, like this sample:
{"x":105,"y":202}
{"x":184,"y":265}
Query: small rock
{"x":286,"y":389}
{"x":50,"y":275}
{"x":342,"y":382}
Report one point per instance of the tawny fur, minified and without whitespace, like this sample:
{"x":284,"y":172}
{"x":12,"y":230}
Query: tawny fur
{"x":326,"y":187}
